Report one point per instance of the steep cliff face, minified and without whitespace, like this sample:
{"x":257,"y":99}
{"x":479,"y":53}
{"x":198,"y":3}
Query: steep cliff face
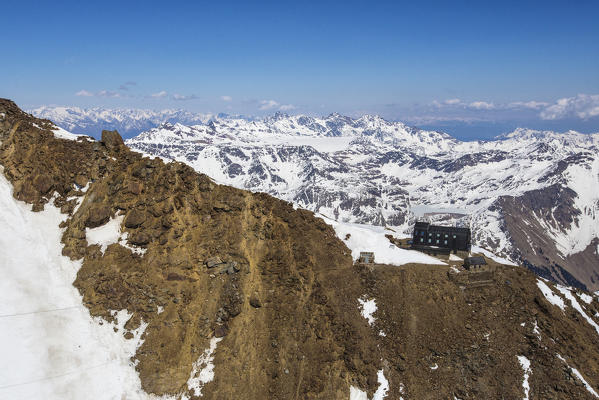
{"x":240,"y":295}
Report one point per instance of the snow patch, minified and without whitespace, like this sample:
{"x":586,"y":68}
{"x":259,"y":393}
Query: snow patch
{"x":111,"y":233}
{"x":588,"y":387}
{"x":383,"y":389}
{"x":566,"y":292}
{"x":525,"y":364}
{"x":381,"y":392}
{"x":368,"y":307}
{"x":357,"y":394}
{"x":134,"y":249}
{"x":585,"y":297}
{"x":453,"y":257}
{"x":203,"y":369}
{"x":487,"y":253}
{"x":549,"y":295}
{"x":536,"y":330}
{"x":105,"y":235}
{"x":61,"y":133}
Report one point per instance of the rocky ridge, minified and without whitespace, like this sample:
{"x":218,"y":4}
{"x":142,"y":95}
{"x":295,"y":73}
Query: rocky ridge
{"x":526,"y":196}
{"x":197,"y":260}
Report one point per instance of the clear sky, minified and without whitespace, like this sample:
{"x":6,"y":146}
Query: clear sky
{"x":472,"y":68}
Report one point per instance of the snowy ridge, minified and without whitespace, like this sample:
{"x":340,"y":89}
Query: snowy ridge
{"x":92,"y":121}
{"x":372,"y":171}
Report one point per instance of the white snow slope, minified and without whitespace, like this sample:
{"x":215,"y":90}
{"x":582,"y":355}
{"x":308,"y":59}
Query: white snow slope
{"x":50,"y":347}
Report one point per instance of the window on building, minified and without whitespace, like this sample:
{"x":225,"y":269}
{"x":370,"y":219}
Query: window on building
{"x":445,"y":241}
{"x":430,"y":240}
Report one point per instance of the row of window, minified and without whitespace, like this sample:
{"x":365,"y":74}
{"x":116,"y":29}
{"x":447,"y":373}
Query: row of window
{"x":422,"y":233}
{"x":431,"y":241}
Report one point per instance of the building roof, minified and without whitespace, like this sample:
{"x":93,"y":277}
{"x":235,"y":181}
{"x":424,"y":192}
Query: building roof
{"x":427,"y":226}
{"x":476,"y":260}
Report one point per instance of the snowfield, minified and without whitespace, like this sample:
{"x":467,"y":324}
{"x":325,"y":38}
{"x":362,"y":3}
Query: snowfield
{"x":372,"y":238}
{"x":51,"y":347}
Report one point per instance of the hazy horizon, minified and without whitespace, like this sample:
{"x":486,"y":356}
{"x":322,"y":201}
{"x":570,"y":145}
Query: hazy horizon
{"x":473,"y":69}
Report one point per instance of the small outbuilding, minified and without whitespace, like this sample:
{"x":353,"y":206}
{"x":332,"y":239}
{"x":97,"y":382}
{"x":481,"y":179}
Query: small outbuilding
{"x":366,"y":257}
{"x":476,"y":263}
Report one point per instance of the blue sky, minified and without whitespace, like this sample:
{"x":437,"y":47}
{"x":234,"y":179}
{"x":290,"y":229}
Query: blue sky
{"x":472,"y":68}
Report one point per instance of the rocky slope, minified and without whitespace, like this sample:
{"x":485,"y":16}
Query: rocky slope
{"x":530,"y":196}
{"x":269,"y":296}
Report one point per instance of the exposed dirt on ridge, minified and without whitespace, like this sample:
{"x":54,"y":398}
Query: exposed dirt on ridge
{"x":280,"y":288}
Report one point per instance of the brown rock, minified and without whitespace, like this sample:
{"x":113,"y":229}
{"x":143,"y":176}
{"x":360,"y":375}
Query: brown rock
{"x":140,"y":239}
{"x":25,"y":192}
{"x":220,"y":331}
{"x":173,"y":276}
{"x":134,"y":219}
{"x":255,"y":301}
{"x":81,"y":180}
{"x":42,"y":183}
{"x":98,"y":215}
{"x":213,"y":262}
{"x":135,"y":187}
{"x":112,"y":140}
{"x":166,"y":222}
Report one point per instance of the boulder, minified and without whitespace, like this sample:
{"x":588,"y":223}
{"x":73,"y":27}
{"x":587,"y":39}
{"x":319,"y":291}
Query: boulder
{"x":139,"y":239}
{"x":134,"y":219}
{"x":220,"y":331}
{"x":98,"y":215}
{"x":173,"y":276}
{"x":213,"y":262}
{"x":43,"y":183}
{"x":135,"y":187}
{"x":231,"y":268}
{"x":81,"y":180}
{"x":112,"y":140}
{"x":255,"y":301}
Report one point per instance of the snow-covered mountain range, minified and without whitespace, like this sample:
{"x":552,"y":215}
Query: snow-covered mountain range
{"x":530,"y":196}
{"x":128,"y":122}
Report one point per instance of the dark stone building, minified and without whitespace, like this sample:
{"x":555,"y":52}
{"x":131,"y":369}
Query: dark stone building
{"x":440,"y":239}
{"x":476,"y":263}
